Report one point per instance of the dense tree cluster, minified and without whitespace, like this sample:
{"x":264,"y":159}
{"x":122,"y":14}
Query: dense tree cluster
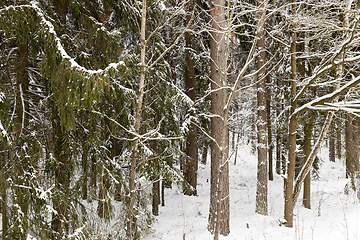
{"x":104,"y":104}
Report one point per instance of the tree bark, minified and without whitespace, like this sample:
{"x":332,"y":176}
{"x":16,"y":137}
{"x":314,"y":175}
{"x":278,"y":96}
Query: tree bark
{"x":21,"y":120}
{"x":307,"y":150}
{"x":191,"y":161}
{"x":156,"y":196}
{"x":62,"y":173}
{"x":262,"y":169}
{"x":131,"y":225}
{"x":352,"y":146}
{"x":338,"y":140}
{"x":332,"y":145}
{"x":163,"y":192}
{"x":219,"y":185}
{"x":4,"y":200}
{"x":289,"y":181}
{"x":205,"y":152}
{"x":278,"y":133}
{"x":269,"y":131}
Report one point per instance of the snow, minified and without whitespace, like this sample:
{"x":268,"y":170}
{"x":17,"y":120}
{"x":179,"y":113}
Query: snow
{"x":51,"y":30}
{"x":334,"y":215}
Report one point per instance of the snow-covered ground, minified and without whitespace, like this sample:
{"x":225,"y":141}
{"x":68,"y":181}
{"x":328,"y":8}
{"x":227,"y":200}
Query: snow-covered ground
{"x":334,"y":215}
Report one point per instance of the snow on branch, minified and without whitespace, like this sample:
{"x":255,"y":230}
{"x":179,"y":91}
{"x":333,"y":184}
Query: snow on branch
{"x":325,"y":100}
{"x":333,"y":61}
{"x":50,"y":29}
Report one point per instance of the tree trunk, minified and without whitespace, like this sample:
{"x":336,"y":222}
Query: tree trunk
{"x":156,"y":196}
{"x":262,"y":171}
{"x":269,"y":131}
{"x":205,"y":152}
{"x":219,"y":185}
{"x":61,"y":7}
{"x":236,"y":150}
{"x":62,"y":176}
{"x":352,"y":146}
{"x":84,"y":164}
{"x":338,"y":140}
{"x":332,"y":145}
{"x":93,"y":176}
{"x":131,"y":224}
{"x":163,"y":192}
{"x":191,"y":161}
{"x":307,"y":150}
{"x":21,"y":166}
{"x":4,"y":200}
{"x":278,"y":132}
{"x":310,"y":160}
{"x":289,"y":181}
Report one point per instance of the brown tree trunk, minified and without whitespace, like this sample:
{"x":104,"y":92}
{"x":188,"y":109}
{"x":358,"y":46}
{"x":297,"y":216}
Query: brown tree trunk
{"x":61,"y":7}
{"x":269,"y":131}
{"x":156,"y":196}
{"x":278,"y":133}
{"x":93,"y":177}
{"x":332,"y":145}
{"x":62,"y":176}
{"x":191,"y":161}
{"x":219,"y":185}
{"x":163,"y":192}
{"x":352,"y":146}
{"x":205,"y":152}
{"x":21,"y":123}
{"x":4,"y":200}
{"x":307,"y":150}
{"x":338,"y":141}
{"x":262,"y":170}
{"x":84,"y":164}
{"x":289,"y":181}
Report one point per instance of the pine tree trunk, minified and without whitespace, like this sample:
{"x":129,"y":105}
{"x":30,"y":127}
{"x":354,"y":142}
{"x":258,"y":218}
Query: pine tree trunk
{"x":236,"y":150}
{"x":332,"y":146}
{"x":21,"y":122}
{"x":163,"y":192}
{"x":262,"y":170}
{"x":269,"y":130}
{"x":278,"y":133}
{"x":93,"y":177}
{"x":289,"y":181}
{"x":205,"y":152}
{"x":61,"y":7}
{"x":156,"y":196}
{"x":62,"y":176}
{"x":352,"y":146}
{"x":4,"y":200}
{"x":338,"y":141}
{"x":307,"y":150}
{"x":84,"y":164}
{"x":191,"y":161}
{"x":219,"y":184}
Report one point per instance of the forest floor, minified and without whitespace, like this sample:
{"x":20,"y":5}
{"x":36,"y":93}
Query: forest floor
{"x":333,"y":215}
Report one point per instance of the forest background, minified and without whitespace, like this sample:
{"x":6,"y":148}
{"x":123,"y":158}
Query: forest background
{"x":114,"y":101}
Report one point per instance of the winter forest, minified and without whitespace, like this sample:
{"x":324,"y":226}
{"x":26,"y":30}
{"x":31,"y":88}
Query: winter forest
{"x":179,"y":119}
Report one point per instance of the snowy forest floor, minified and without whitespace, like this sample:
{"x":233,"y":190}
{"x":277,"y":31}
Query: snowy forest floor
{"x":333,"y":214}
